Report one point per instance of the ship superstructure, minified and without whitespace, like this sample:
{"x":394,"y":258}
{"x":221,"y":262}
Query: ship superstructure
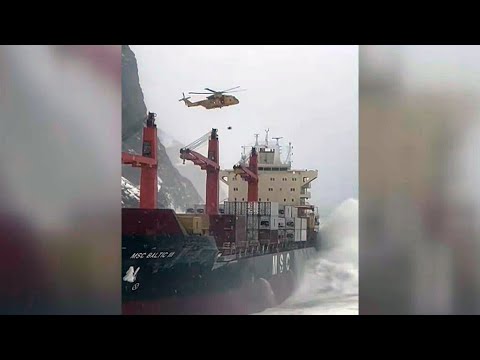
{"x":277,"y":181}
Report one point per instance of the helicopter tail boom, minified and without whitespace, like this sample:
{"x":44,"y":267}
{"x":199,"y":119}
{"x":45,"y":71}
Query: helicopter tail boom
{"x":186,"y":101}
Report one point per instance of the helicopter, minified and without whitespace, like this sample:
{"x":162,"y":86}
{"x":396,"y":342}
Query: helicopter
{"x":216,"y":100}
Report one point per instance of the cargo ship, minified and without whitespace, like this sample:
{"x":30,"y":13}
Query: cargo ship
{"x":237,"y":257}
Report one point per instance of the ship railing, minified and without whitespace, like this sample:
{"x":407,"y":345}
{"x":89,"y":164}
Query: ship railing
{"x":229,"y":251}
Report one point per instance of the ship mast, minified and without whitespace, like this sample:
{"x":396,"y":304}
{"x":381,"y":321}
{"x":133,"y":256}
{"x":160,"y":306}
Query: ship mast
{"x":148,"y":163}
{"x":243,"y":157}
{"x":289,"y":155}
{"x":278,"y":150}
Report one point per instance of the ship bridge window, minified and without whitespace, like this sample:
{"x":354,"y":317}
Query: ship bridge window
{"x":235,"y":189}
{"x":268,"y":199}
{"x":294,"y":179}
{"x":260,"y":199}
{"x":292,"y":189}
{"x":305,"y":179}
{"x":270,"y":189}
{"x":284,"y":200}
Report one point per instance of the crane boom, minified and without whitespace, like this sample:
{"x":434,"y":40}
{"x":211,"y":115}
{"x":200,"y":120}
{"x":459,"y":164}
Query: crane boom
{"x":250,"y":174}
{"x":210,"y":164}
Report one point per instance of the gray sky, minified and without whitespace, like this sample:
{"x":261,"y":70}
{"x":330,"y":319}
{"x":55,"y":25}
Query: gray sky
{"x":307,"y":94}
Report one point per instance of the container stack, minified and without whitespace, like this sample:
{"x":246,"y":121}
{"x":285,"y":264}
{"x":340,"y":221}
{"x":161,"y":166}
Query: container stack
{"x":301,"y":229}
{"x":229,"y":229}
{"x":262,"y":221}
{"x":291,"y":227}
{"x":235,"y":208}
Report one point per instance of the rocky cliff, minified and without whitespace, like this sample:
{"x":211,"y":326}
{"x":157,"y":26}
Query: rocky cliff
{"x":175,"y":191}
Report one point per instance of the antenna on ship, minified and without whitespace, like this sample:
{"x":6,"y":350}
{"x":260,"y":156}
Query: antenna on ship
{"x":256,"y":139}
{"x":266,"y":137}
{"x":243,"y":157}
{"x":277,"y":138}
{"x":289,"y":155}
{"x":278,"y":150}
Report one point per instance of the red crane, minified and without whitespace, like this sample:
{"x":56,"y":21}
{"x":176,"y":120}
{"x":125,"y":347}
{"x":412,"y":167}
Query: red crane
{"x":250,"y":174}
{"x":210,"y":164}
{"x":148,"y":163}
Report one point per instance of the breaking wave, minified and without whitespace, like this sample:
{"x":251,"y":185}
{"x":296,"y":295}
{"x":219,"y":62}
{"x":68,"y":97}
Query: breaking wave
{"x":330,"y":282}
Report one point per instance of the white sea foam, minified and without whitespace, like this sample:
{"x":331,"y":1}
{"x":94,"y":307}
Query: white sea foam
{"x":330,"y":283}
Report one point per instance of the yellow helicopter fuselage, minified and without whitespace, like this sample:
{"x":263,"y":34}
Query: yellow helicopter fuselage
{"x":214,"y":102}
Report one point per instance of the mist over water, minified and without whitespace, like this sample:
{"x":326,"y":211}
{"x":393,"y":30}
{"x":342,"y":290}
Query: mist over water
{"x":330,"y":283}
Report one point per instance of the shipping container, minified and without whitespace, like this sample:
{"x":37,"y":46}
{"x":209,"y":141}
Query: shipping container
{"x":274,"y":237}
{"x":264,"y":235}
{"x":290,"y":235}
{"x":274,"y":209}
{"x":298,"y":235}
{"x":252,"y":208}
{"x":199,"y":208}
{"x":268,"y":208}
{"x":235,"y":207}
{"x":268,"y":222}
{"x":288,"y":211}
{"x":253,"y":222}
{"x":304,"y":224}
{"x":290,"y":223}
{"x":303,"y":235}
{"x":298,"y":223}
{"x":240,"y":228}
{"x":274,"y":223}
{"x":228,"y":228}
{"x":222,"y":222}
{"x":268,"y":236}
{"x":265,"y":222}
{"x":311,"y":222}
{"x":294,"y":212}
{"x":252,"y":235}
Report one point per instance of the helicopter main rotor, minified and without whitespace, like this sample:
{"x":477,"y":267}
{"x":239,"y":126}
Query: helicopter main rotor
{"x":217,"y":93}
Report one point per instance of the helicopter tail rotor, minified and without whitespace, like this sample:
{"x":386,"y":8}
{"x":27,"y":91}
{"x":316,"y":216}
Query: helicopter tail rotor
{"x":184,"y":98}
